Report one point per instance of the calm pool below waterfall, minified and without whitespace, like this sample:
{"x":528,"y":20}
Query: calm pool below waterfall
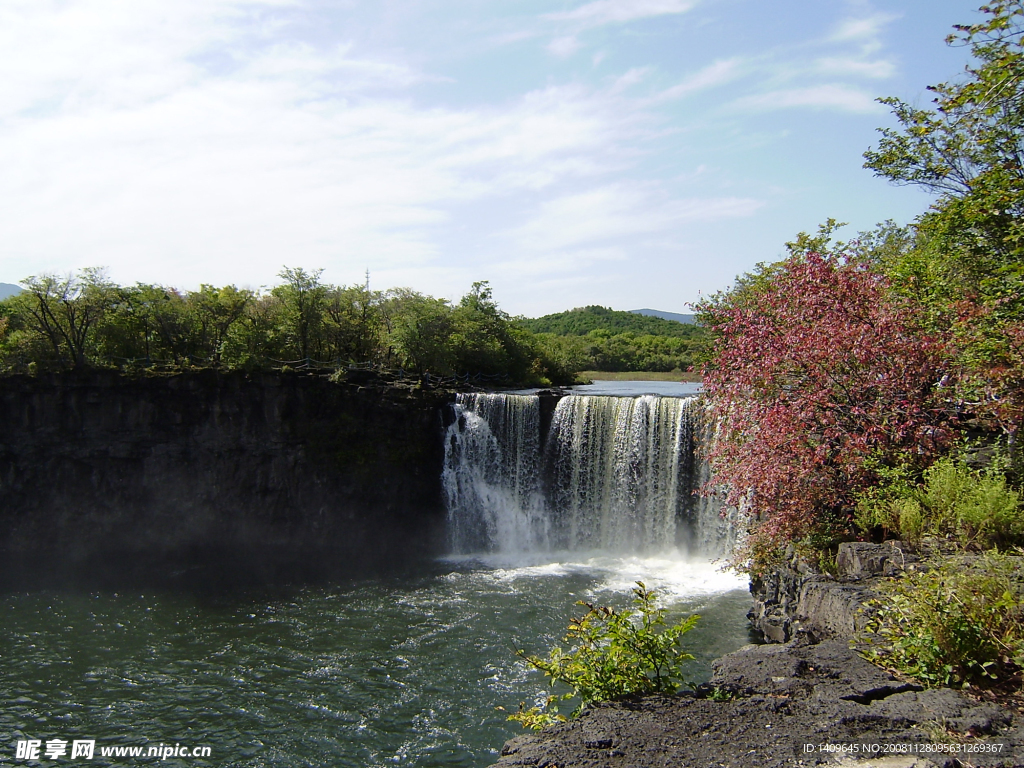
{"x":401,"y":671}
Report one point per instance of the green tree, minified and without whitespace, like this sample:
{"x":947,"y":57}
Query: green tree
{"x":967,"y":265}
{"x":969,"y":150}
{"x":66,"y":310}
{"x":302,"y":296}
{"x":486,"y":341}
{"x":419,"y":329}
{"x":353,"y":323}
{"x":214,"y":311}
{"x":128,"y":329}
{"x":258,"y":336}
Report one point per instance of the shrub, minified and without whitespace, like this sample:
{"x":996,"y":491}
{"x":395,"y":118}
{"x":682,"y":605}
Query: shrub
{"x":819,"y":373}
{"x":960,"y":622}
{"x":976,"y":507}
{"x":612,"y":654}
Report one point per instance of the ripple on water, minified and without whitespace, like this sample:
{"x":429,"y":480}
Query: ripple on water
{"x":367,"y":674}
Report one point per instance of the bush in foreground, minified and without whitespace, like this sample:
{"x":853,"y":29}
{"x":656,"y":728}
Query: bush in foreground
{"x":612,"y":654}
{"x":960,"y":622}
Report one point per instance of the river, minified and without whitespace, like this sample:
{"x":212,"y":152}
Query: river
{"x":407,"y":670}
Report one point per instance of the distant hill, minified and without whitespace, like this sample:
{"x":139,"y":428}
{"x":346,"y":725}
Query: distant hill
{"x":665,"y":315}
{"x":583,"y":320}
{"x":7,"y":290}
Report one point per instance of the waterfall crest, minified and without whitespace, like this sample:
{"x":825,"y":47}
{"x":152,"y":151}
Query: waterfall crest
{"x":616,"y":474}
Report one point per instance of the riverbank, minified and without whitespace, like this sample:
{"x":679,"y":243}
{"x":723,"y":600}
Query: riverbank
{"x":809,"y":700}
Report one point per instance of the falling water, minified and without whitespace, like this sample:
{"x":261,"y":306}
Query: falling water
{"x":492,"y":475}
{"x":616,"y":474}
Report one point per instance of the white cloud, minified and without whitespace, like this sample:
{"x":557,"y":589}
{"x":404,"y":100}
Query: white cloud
{"x":202,"y":153}
{"x":601,"y":12}
{"x":878,"y":69}
{"x":563,"y":47}
{"x":861,"y":29}
{"x":628,"y":79}
{"x":215,"y":140}
{"x":839,"y":97}
{"x":579,"y":226}
{"x":718,"y":73}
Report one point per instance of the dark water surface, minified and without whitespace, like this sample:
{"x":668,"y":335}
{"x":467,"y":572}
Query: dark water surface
{"x":367,"y":673}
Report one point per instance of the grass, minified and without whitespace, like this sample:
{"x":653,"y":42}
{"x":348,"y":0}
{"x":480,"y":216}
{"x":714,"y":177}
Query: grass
{"x":638,"y":376}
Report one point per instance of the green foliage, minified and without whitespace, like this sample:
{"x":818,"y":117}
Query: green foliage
{"x":418,"y":331}
{"x":602,"y":339}
{"x":718,"y":693}
{"x":966,"y":262}
{"x":85,"y":320}
{"x":613,"y":654}
{"x":584,"y":320}
{"x":959,"y":622}
{"x":302,"y":298}
{"x":976,"y":507}
{"x":538,"y":718}
{"x":64,"y":311}
{"x":969,"y":149}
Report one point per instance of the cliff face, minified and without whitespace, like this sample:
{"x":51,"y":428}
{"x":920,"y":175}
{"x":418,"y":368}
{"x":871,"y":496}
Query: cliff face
{"x":215,"y":476}
{"x":795,"y":598}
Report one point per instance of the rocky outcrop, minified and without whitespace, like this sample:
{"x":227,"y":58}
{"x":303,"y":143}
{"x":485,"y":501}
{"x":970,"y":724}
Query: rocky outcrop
{"x":798,"y":704}
{"x":798,"y":598}
{"x":807,"y":698}
{"x":214,"y":477}
{"x":794,"y":705}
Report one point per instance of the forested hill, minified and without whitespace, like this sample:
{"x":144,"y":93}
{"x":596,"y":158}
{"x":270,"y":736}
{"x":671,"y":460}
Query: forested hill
{"x":602,"y":339}
{"x":583,"y":320}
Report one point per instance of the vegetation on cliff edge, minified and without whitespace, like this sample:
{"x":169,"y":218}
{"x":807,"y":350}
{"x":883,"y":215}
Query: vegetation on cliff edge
{"x":85,"y":320}
{"x":875,"y":388}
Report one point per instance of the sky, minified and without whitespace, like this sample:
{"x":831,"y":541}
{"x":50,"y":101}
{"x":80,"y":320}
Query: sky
{"x":625,"y":153}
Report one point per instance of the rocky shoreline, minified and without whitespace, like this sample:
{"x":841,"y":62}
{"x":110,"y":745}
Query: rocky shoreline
{"x":805,"y":698}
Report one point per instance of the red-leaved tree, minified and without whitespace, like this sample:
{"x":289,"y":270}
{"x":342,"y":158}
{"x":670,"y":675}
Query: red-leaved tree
{"x":819,"y":374}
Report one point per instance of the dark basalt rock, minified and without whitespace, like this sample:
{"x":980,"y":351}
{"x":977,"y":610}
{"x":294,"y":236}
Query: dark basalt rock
{"x":215,"y":478}
{"x":785,"y":697}
{"x":797,"y":598}
{"x":791,"y":700}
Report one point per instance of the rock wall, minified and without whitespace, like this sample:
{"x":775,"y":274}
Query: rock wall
{"x":796,"y":598}
{"x":210,"y":476}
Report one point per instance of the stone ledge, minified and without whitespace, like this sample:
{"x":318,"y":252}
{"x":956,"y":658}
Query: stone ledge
{"x":798,"y":598}
{"x":785,"y":696}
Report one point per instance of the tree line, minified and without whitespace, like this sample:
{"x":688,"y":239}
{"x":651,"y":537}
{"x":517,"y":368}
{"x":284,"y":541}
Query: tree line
{"x":86,"y":320}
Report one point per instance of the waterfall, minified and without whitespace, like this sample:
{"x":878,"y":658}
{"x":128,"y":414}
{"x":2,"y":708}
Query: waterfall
{"x":491,"y":477}
{"x":616,"y":474}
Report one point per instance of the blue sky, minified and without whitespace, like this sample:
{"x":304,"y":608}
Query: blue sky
{"x":628,"y":153}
